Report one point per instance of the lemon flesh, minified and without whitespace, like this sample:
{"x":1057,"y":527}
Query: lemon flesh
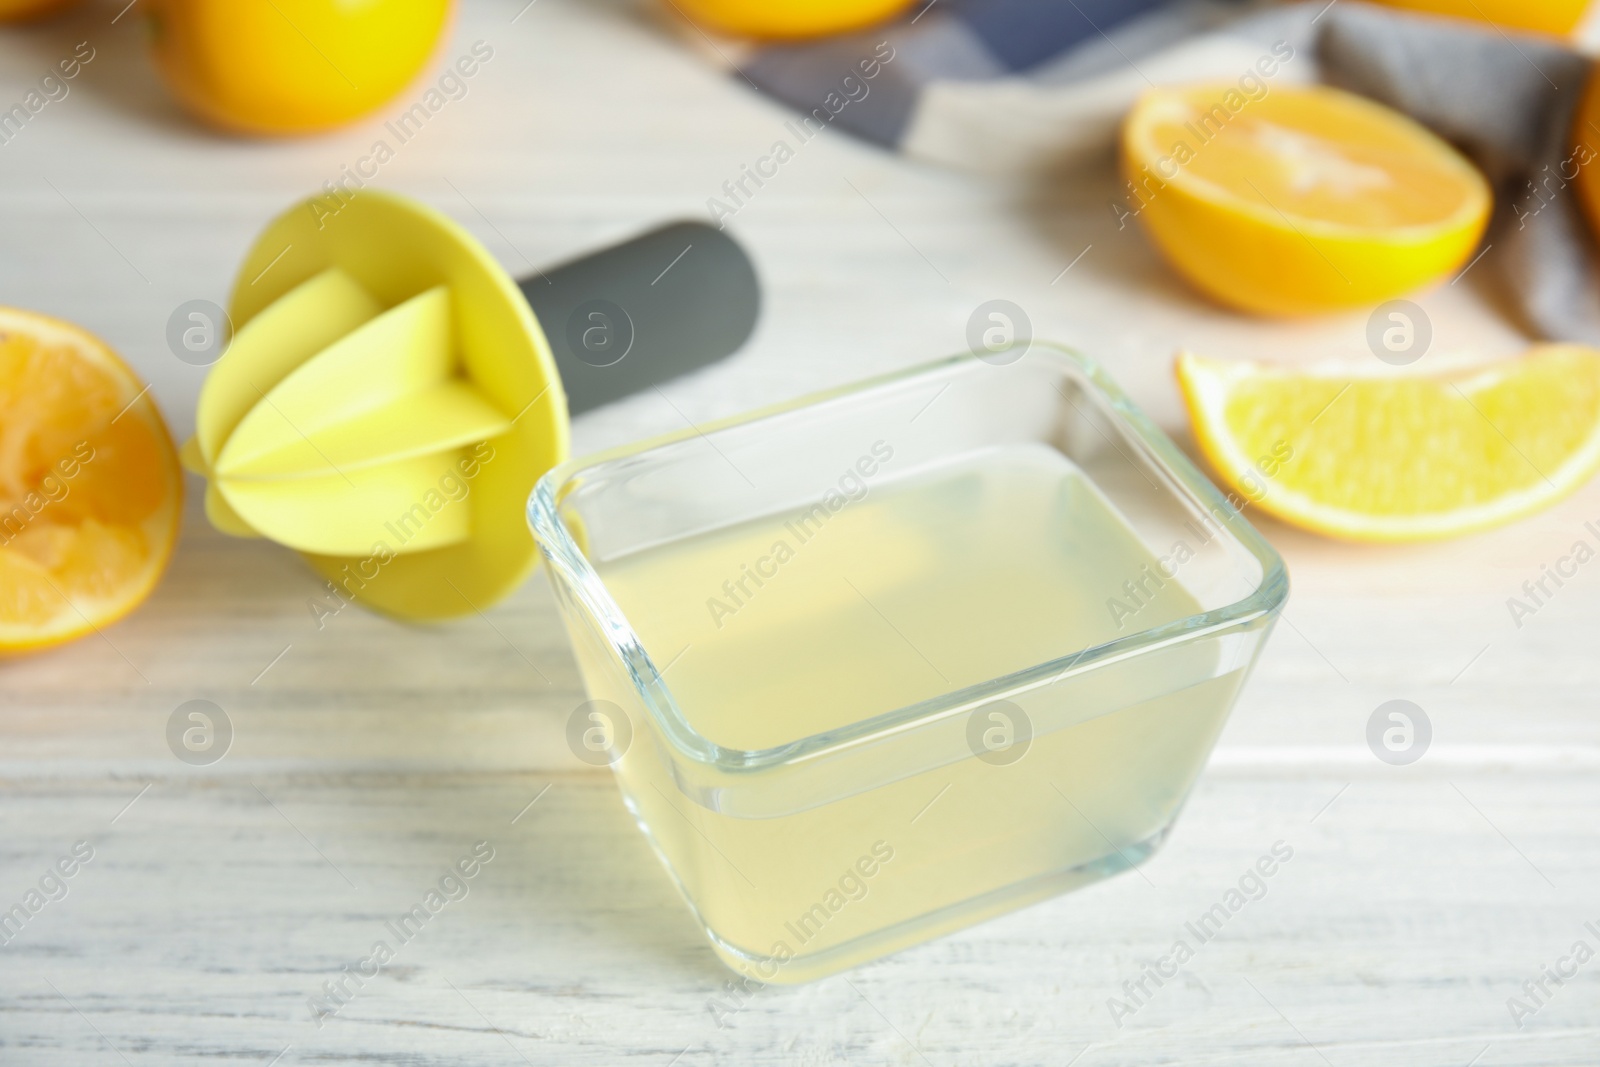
{"x":1400,"y":457}
{"x":1300,"y":200}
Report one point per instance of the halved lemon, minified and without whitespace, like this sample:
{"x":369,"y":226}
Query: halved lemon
{"x":90,"y":489}
{"x":1288,"y":200}
{"x":1383,"y":455}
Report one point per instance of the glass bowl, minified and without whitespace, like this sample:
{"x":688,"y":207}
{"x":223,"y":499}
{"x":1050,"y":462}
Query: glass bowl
{"x":886,"y":661}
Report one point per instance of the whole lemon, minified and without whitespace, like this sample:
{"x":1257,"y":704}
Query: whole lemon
{"x":22,"y":10}
{"x":291,"y":66}
{"x":788,"y":19}
{"x":1559,"y":17}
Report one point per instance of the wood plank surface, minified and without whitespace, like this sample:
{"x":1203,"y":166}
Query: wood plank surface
{"x":368,"y":754}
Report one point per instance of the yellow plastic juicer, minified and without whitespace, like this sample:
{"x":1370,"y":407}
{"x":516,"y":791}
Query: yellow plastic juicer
{"x":391,"y":394}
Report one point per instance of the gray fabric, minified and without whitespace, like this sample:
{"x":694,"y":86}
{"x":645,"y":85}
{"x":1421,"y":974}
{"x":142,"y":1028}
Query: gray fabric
{"x":1299,"y":24}
{"x":1507,"y":101}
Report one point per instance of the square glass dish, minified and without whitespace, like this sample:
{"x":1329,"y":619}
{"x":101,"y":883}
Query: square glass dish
{"x":883,"y":662}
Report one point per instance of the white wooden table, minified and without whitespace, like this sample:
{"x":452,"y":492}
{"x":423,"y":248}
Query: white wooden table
{"x":368,"y":754}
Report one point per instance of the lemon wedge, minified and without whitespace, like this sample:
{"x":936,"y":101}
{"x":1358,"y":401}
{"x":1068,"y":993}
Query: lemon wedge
{"x":1379,"y":455}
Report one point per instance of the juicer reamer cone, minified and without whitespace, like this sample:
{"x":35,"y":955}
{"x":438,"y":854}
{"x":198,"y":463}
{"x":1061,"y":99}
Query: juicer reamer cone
{"x":386,"y":403}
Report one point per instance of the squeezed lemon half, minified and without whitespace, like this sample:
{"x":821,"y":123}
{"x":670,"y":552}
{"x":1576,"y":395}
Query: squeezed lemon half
{"x":90,"y":491}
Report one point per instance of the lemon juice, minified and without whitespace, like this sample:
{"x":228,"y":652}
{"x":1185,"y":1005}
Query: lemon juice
{"x":890,"y":588}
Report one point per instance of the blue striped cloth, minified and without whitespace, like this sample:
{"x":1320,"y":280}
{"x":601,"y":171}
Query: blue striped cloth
{"x":888,"y":84}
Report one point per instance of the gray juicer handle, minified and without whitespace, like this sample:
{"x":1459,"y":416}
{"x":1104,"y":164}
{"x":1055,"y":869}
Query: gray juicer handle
{"x":639,"y":313}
